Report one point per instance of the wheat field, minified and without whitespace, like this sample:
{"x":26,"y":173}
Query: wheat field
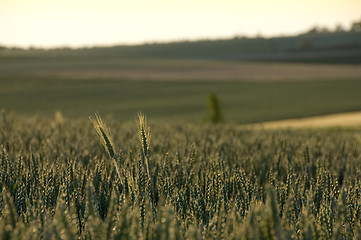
{"x":175,"y":181}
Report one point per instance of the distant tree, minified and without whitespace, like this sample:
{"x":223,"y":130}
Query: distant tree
{"x":16,"y":49}
{"x":318,"y":30}
{"x":356,"y":27}
{"x":313,"y":30}
{"x":339,"y":28}
{"x":214,"y":105}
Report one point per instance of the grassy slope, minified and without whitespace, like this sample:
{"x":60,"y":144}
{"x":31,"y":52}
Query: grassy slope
{"x":243,"y":102}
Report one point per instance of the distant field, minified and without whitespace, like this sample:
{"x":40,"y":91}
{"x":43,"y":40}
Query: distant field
{"x":174,"y":89}
{"x":115,"y":68}
{"x":243,"y":102}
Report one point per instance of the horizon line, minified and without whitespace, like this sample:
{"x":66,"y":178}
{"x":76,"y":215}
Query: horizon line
{"x":160,"y":42}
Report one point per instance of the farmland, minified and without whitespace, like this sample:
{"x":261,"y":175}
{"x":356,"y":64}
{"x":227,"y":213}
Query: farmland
{"x":210,"y":182}
{"x":181,"y":178}
{"x":175,"y":89}
{"x":243,"y":102}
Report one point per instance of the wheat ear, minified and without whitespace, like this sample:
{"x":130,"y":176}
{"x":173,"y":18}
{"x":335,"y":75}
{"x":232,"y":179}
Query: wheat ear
{"x":105,"y":138}
{"x":144,"y":138}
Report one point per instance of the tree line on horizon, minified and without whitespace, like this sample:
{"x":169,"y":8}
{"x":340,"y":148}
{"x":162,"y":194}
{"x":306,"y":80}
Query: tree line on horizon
{"x":355,"y":27}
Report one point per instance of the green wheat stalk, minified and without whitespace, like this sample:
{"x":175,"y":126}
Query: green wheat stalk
{"x":105,"y":138}
{"x":144,"y":138}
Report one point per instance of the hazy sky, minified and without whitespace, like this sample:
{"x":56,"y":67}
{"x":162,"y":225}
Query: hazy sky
{"x":49,"y":23}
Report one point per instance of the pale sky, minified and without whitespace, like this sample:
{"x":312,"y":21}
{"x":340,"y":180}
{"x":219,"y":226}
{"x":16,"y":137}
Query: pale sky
{"x":76,"y":23}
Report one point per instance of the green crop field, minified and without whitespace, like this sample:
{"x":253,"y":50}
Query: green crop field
{"x":188,"y":182}
{"x":242,"y":102}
